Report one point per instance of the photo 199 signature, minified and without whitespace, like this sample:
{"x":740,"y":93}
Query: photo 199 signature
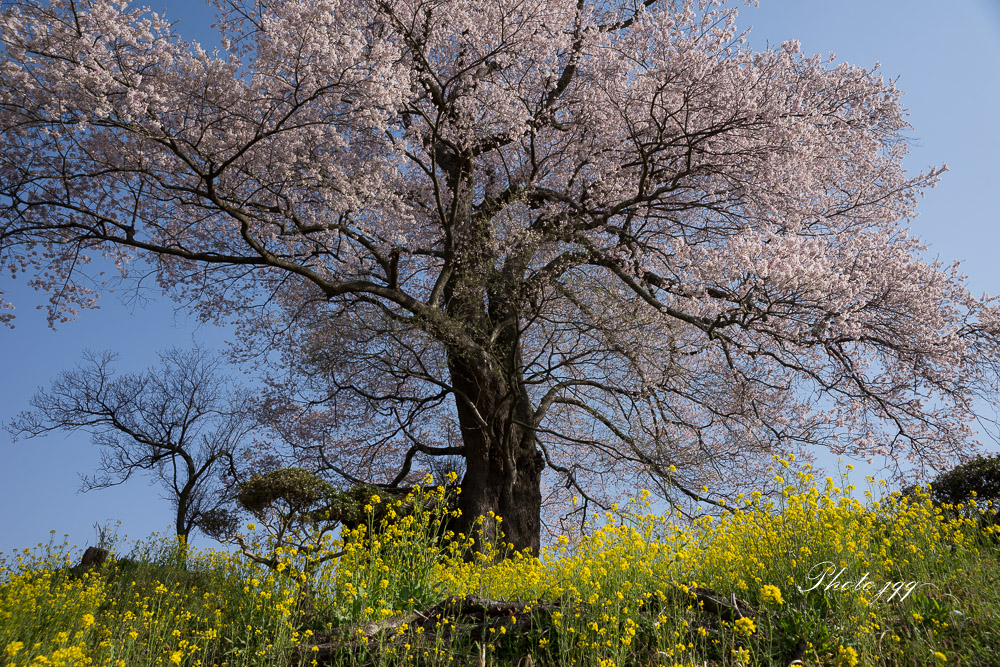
{"x":827,"y":575}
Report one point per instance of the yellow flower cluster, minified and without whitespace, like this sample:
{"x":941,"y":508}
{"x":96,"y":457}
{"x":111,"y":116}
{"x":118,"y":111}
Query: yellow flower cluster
{"x":634,"y":584}
{"x":51,"y":616}
{"x":771,"y":595}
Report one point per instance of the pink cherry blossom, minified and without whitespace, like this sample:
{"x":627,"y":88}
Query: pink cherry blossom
{"x":569,"y":243}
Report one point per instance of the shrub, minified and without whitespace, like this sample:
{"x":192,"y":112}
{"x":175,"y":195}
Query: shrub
{"x":970,"y":489}
{"x":295,"y":496}
{"x":978,"y":478}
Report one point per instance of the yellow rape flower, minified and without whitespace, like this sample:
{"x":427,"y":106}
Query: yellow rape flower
{"x":745,"y":626}
{"x":771,"y":594}
{"x":847,"y":657}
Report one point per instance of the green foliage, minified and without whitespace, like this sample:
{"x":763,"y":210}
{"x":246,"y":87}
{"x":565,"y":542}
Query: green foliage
{"x":304,"y":495}
{"x":293,"y":490}
{"x":295,"y":495}
{"x":978,"y":478}
{"x":971,"y":489}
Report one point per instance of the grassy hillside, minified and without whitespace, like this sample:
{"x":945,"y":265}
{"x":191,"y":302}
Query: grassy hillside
{"x":821,"y":575}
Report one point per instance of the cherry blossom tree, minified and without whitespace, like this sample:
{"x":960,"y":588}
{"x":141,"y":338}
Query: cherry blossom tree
{"x":574,"y":245}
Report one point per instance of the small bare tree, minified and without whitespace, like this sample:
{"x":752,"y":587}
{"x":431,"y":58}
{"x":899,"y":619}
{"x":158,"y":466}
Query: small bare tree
{"x":182,"y":421}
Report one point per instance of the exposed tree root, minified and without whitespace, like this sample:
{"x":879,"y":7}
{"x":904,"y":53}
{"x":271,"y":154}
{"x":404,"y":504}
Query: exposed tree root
{"x":473,"y":615}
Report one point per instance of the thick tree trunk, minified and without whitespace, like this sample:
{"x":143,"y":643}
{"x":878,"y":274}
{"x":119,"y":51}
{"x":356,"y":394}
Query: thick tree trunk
{"x":503,"y":466}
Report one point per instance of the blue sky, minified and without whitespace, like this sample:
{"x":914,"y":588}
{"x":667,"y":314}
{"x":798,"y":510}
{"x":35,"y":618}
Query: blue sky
{"x":946,"y":61}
